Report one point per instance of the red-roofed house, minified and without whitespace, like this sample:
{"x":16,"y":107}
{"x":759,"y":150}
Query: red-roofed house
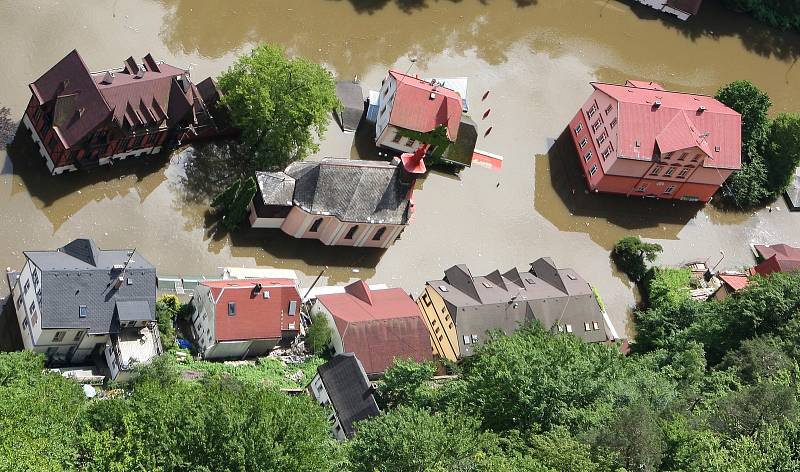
{"x":81,"y":119}
{"x":777,"y":258}
{"x":730,"y":283}
{"x":376,"y":325}
{"x":409,"y":105}
{"x":244,"y":318}
{"x":639,"y":139}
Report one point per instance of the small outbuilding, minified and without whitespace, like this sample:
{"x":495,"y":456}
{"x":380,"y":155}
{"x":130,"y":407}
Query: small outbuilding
{"x":352,"y":98}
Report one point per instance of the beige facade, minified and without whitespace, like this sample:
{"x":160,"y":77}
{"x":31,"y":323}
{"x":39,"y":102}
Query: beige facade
{"x":444,"y":339}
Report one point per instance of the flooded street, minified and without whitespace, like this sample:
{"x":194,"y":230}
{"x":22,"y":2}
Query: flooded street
{"x":535,"y":57}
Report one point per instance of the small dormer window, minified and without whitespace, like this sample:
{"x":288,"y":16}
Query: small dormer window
{"x":82,"y":311}
{"x":442,"y":288}
{"x":231,"y":308}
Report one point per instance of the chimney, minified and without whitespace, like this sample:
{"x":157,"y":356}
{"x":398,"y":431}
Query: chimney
{"x":131,"y":67}
{"x":413,"y":164}
{"x":119,"y":281}
{"x":257,"y":288}
{"x":108,"y":78}
{"x":151,"y":63}
{"x":657,"y":103}
{"x":701,"y":109}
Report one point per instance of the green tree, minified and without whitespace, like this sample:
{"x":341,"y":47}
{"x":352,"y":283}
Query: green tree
{"x":759,"y":359}
{"x":780,"y":14}
{"x":410,"y":439}
{"x":743,"y":412}
{"x":167,"y":309}
{"x":234,"y":202}
{"x":278,"y":104}
{"x":319,"y":334}
{"x":630,"y":254}
{"x":635,"y":435}
{"x":405,"y":382}
{"x":783,"y":151}
{"x":668,"y":285}
{"x":748,"y":186}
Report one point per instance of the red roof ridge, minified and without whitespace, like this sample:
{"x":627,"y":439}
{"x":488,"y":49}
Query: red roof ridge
{"x":653,"y":90}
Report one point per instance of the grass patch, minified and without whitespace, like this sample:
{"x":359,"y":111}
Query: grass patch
{"x":268,"y":371}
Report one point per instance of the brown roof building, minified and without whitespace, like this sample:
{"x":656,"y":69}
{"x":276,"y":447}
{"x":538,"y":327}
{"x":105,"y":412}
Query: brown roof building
{"x":377,"y":325}
{"x":461,"y":309}
{"x":82,"y":119}
{"x":777,"y":258}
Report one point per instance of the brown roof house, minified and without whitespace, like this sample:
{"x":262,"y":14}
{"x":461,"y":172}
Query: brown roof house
{"x":82,"y":119}
{"x":376,"y":325}
{"x":777,"y":258}
{"x":461,"y":309}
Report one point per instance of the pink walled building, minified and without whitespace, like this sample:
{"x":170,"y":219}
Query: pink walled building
{"x":639,"y":139}
{"x":338,"y":201}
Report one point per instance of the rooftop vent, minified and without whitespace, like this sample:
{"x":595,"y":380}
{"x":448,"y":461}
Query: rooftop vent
{"x":701,"y":109}
{"x":108,"y":78}
{"x":716,"y":148}
{"x":638,"y":143}
{"x":442,"y":288}
{"x":433,"y":95}
{"x":139,"y":74}
{"x":657,"y":103}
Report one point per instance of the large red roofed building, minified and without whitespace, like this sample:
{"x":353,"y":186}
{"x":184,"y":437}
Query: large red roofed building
{"x":82,"y":119}
{"x":639,"y":139}
{"x":777,"y":258}
{"x":408,"y":103}
{"x":377,"y":325}
{"x":244,"y":318}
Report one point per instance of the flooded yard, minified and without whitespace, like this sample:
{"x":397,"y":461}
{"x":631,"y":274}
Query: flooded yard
{"x":535,"y":58}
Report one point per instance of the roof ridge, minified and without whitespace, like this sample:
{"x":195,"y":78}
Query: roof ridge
{"x":653,"y":90}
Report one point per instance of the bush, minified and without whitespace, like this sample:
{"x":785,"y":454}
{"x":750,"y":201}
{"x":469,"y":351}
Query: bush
{"x":319,"y":333}
{"x":668,"y":286}
{"x":167,"y":309}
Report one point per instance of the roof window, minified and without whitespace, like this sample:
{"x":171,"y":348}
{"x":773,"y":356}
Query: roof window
{"x":487,"y":285}
{"x":82,"y":311}
{"x":572,"y":277}
{"x":442,"y":288}
{"x":568,"y":328}
{"x":231,"y":308}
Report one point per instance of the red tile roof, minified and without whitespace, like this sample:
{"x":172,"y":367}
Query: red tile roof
{"x":414,"y":109}
{"x":736,"y":282}
{"x":378,"y":325}
{"x":256,"y":317}
{"x":641,"y":120}
{"x":777,"y":258}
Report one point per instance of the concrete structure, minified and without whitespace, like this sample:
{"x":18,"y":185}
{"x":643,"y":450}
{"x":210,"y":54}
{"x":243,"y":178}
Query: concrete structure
{"x":377,"y":325}
{"x":410,"y":104}
{"x":339,"y":202}
{"x":81,"y":119}
{"x":342,"y":384}
{"x":683,"y":9}
{"x":460,"y":309}
{"x":639,"y":139}
{"x":79,"y":301}
{"x":238,"y":318}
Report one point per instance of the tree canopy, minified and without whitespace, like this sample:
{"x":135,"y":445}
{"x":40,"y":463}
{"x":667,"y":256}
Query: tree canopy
{"x":279,"y":104}
{"x":631,"y":255}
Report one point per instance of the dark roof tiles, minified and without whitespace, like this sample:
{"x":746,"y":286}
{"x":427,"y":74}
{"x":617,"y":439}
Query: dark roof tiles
{"x":349,"y":390}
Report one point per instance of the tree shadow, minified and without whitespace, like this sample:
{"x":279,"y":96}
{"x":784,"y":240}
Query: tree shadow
{"x":714,"y":20}
{"x":7,"y":127}
{"x":562,"y":198}
{"x":207,"y":168}
{"x":61,"y":196}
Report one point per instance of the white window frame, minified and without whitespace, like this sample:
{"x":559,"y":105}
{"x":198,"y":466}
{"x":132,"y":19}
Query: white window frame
{"x":593,"y":170}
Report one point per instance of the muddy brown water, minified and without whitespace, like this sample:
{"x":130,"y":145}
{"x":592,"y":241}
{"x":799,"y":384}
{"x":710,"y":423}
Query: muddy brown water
{"x":536,"y":59}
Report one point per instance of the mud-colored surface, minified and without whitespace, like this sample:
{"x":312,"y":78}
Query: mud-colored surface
{"x":536,"y":59}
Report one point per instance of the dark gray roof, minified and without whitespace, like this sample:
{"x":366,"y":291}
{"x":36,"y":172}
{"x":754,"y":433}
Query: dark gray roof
{"x":503,"y":301}
{"x":277,"y":188}
{"x":80,"y":274}
{"x":134,"y":310}
{"x":353,"y":191}
{"x":349,"y":390}
{"x":352,"y":98}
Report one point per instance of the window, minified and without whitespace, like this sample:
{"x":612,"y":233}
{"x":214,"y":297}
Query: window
{"x":35,"y":278}
{"x":682,"y":173}
{"x":379,"y":233}
{"x":19,"y":301}
{"x":411,"y":142}
{"x":641,"y":188}
{"x":426,"y":299}
{"x":606,"y":152}
{"x":683,"y":156}
{"x":351,"y":232}
{"x":33,"y":307}
{"x":442,"y":288}
{"x":666,"y":156}
{"x":26,"y":287}
{"x":397,"y":138}
{"x":587,"y":326}
{"x":579,"y":128}
{"x":474,"y":338}
{"x":593,"y":170}
{"x":383,"y":109}
{"x":568,"y":328}
{"x":656,"y":170}
{"x":25,"y":323}
{"x":583,"y":142}
{"x":39,"y":295}
{"x":440,"y":337}
{"x":59,"y":336}
{"x":609,"y":108}
{"x":597,"y":124}
{"x":315,"y":226}
{"x":601,"y":139}
{"x":437,"y":329}
{"x":669,"y":172}
{"x":595,"y":325}
{"x":292,"y":307}
{"x":34,"y":318}
{"x":82,"y":311}
{"x":669,"y":189}
{"x":467,"y":339}
{"x":613,"y":123}
{"x":696,"y":158}
{"x":587,"y":156}
{"x":266,"y":294}
{"x":231,"y":308}
{"x":591,"y":111}
{"x":77,"y":337}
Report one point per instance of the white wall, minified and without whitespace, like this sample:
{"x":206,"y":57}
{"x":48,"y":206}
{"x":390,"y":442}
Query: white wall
{"x":385,"y":104}
{"x":336,"y":338}
{"x":203,"y":318}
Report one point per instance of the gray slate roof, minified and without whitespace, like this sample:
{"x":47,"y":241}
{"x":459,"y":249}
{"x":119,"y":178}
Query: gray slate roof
{"x":504,"y":301}
{"x":277,"y":188}
{"x":349,"y":390}
{"x":353,"y":191}
{"x":81,"y":274}
{"x":351,"y":96}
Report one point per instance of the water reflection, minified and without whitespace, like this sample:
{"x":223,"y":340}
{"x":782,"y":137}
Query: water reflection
{"x":561,"y":197}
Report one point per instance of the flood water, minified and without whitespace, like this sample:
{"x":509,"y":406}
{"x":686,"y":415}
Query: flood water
{"x":535,"y":57}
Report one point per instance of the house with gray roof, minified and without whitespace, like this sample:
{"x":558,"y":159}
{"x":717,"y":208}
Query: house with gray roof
{"x":339,"y":202}
{"x":461,"y":309}
{"x":78,"y":304}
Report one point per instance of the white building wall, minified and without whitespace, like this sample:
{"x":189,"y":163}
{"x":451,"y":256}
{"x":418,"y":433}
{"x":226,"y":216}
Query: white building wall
{"x":203,"y":318}
{"x":336,"y":339}
{"x":385,"y":104}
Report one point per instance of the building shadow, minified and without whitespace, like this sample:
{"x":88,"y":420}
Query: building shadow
{"x":273,"y":247}
{"x":10,"y":335}
{"x":61,"y":196}
{"x":714,"y":20}
{"x":561,"y":196}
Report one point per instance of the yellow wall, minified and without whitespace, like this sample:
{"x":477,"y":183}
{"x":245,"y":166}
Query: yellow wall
{"x":444,"y":341}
